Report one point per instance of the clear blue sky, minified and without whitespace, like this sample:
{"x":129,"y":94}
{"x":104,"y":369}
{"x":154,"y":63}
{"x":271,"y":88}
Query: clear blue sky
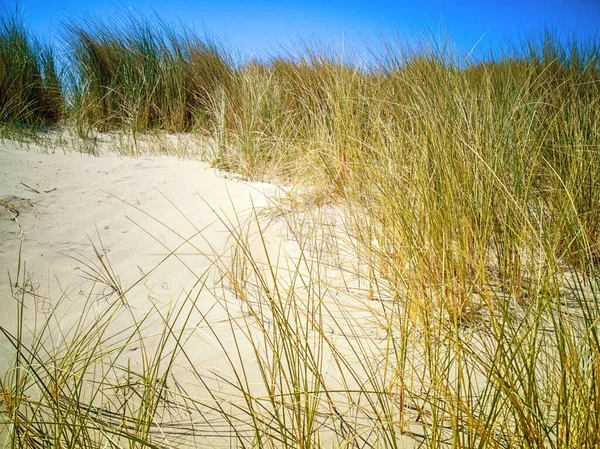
{"x":257,"y":27}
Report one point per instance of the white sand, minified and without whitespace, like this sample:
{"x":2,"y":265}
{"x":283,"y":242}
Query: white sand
{"x":110,"y":201}
{"x":82,"y":199}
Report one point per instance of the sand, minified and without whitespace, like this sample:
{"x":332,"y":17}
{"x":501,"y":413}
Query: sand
{"x":89,"y":229}
{"x":62,"y":205}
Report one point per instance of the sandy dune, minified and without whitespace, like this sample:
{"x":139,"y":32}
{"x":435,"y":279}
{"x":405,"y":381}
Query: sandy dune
{"x":133,"y":212}
{"x":66,"y":203}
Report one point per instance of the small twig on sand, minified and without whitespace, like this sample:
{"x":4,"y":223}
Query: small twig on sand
{"x":50,"y":190}
{"x":30,"y":188}
{"x":16,"y":214}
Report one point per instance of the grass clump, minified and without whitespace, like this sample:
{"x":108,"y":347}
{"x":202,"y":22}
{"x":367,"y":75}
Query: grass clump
{"x":473,"y":175}
{"x":30,"y":88}
{"x":139,"y":74}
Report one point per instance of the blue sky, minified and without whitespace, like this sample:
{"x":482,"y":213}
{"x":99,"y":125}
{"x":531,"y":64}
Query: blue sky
{"x":261,"y":27}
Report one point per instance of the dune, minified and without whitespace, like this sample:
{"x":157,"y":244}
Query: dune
{"x":177,"y":239}
{"x":65,"y":214}
{"x":58,"y":207}
{"x":431,"y":279}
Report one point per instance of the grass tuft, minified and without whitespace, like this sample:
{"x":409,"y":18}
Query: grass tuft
{"x":139,"y":74}
{"x":30,"y":88}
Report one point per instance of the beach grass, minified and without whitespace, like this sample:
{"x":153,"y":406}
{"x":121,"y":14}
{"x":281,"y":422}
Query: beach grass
{"x":470,"y":195}
{"x":138,"y":74}
{"x":30,"y":88}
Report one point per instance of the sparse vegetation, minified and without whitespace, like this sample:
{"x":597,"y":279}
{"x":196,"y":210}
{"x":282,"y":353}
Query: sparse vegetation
{"x":457,"y":307}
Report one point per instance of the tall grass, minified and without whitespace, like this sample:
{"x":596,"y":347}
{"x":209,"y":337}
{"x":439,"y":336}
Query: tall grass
{"x":472,"y":177}
{"x":468,"y":313}
{"x":139,"y":74}
{"x":30,"y":89}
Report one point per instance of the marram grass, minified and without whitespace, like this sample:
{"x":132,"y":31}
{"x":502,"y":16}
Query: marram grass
{"x":142,"y":74}
{"x":30,"y":89}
